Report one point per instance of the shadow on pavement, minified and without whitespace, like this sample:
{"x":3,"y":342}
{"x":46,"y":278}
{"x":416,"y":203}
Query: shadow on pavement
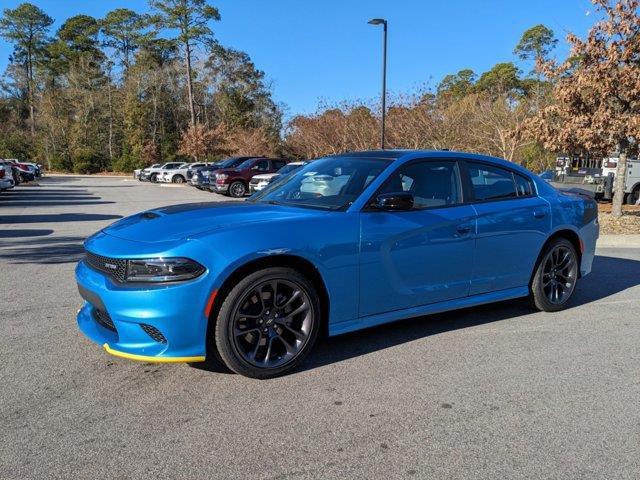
{"x":64,"y":251}
{"x":609,"y":276}
{"x":56,"y":217}
{"x":25,"y":233}
{"x":71,"y":203}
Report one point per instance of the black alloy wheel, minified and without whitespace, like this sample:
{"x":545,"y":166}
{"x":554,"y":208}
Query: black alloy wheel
{"x":268,"y":323}
{"x":556,"y":275}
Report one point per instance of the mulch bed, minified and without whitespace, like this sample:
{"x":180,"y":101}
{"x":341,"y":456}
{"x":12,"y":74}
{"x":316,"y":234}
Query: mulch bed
{"x":627,"y":224}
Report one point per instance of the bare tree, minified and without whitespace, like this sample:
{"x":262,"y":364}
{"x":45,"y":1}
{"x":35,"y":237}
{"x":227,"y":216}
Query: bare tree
{"x":597,"y":91}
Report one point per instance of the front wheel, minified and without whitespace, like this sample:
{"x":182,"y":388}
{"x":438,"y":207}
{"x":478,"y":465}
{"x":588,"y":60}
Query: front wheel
{"x":555,"y":277}
{"x":268,"y":323}
{"x":237,"y":189}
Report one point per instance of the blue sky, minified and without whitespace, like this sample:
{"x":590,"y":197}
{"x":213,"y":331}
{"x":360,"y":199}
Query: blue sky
{"x":324,"y":50}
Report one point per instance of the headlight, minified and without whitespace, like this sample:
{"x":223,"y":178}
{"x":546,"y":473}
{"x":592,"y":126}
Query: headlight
{"x":222,"y":176}
{"x":163,"y":270}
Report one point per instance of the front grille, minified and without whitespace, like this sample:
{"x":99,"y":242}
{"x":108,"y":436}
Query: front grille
{"x":154,"y":333}
{"x":103,"y":319}
{"x":115,"y":267}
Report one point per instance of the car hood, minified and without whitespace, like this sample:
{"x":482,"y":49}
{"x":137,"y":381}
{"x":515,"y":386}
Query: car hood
{"x":227,"y":170}
{"x":189,"y":220}
{"x":264,"y":176}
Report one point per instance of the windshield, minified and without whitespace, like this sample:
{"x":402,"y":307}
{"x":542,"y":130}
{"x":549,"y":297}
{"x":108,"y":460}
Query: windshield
{"x":246,"y":164}
{"x":288,"y":169}
{"x":329,"y":183}
{"x":230,"y":163}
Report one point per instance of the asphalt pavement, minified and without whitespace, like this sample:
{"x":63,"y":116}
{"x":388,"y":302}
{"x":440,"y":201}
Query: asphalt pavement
{"x":493,"y":392}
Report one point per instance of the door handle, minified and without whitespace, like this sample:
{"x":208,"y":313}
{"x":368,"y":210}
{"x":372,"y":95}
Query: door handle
{"x":539,"y":213}
{"x":463,"y":229}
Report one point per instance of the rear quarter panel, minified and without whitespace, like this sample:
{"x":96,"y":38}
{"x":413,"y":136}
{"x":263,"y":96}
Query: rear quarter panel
{"x":578,"y":214}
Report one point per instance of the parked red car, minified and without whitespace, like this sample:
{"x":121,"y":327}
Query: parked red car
{"x":235,"y":181}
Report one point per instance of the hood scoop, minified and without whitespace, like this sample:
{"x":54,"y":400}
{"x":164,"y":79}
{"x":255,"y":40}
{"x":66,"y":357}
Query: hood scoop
{"x":149,"y":215}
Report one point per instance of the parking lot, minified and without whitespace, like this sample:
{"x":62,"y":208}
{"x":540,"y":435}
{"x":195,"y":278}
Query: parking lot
{"x":491,"y":392}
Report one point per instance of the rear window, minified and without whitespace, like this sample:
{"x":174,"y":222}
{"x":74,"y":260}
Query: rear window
{"x":524,"y":186}
{"x":491,"y":183}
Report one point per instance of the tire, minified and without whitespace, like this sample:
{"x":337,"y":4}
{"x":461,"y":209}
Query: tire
{"x":279,"y":335}
{"x":237,"y":189}
{"x":177,"y":179}
{"x":632,"y":198}
{"x":555,"y":277}
{"x":153,"y":178}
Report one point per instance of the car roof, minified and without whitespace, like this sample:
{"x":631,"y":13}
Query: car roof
{"x":406,"y":154}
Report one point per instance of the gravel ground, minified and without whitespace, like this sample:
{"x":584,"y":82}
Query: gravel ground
{"x":484,"y":393}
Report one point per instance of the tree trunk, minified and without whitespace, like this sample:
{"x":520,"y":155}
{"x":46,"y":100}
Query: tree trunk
{"x":192,"y":109}
{"x":110,"y":122}
{"x":618,"y":189}
{"x":32,"y":118}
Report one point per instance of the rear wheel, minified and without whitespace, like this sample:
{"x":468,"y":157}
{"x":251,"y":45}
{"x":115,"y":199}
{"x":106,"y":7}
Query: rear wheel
{"x":268,"y":323}
{"x":177,"y":179}
{"x":555,"y":277}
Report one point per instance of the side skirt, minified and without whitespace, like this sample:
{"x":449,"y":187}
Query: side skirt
{"x":387,"y":317}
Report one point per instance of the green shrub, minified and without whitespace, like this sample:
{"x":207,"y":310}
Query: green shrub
{"x":61,"y":163}
{"x":86,"y":160}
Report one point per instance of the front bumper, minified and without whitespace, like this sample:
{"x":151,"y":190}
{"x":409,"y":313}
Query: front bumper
{"x":197,"y":182}
{"x":6,"y":184}
{"x":174,"y":314}
{"x":256,"y":187}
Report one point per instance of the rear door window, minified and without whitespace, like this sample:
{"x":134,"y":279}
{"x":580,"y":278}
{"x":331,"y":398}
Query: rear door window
{"x":524,"y":186}
{"x":491,"y":183}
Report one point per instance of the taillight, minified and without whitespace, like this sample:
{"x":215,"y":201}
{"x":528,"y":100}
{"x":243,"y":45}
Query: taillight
{"x":2,"y":173}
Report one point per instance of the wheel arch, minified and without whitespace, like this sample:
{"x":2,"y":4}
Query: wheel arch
{"x":300,"y":264}
{"x":239,"y":179}
{"x":567,"y":234}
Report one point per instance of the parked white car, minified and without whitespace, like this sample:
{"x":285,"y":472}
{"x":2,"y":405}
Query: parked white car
{"x":152,"y":173}
{"x":179,"y":173}
{"x":259,"y":182}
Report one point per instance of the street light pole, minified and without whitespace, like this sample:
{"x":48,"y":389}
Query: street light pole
{"x":383,"y":22}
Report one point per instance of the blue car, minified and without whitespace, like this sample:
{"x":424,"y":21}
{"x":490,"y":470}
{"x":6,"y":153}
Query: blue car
{"x":344,"y":243}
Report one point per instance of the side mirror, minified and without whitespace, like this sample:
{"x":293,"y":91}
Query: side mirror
{"x":397,"y":201}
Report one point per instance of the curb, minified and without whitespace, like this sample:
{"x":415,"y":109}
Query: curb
{"x":619,"y":241}
{"x":79,"y":175}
